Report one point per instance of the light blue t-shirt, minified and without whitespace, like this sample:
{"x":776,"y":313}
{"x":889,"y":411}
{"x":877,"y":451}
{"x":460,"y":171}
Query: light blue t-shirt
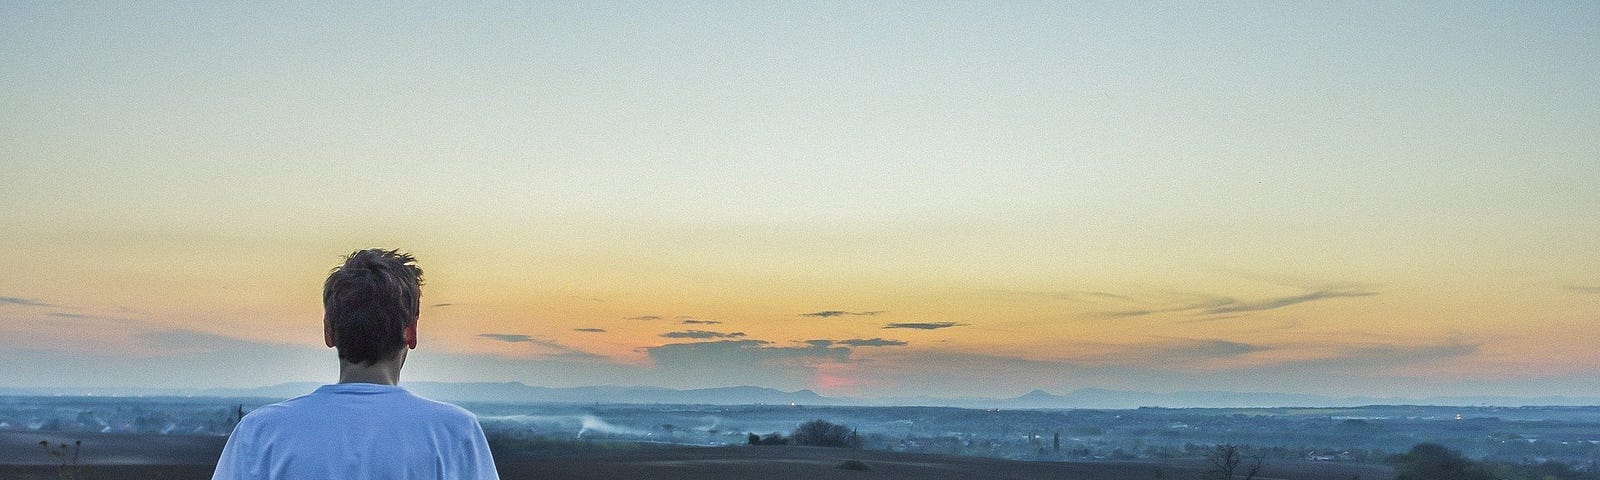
{"x":357,"y":431}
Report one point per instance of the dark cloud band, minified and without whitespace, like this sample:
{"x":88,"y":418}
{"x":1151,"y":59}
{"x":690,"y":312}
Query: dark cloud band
{"x":925,"y":325}
{"x":506,"y":337}
{"x":23,"y":301}
{"x":702,"y":334}
{"x":840,"y":313}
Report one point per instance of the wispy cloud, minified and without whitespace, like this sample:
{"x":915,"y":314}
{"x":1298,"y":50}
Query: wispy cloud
{"x":743,"y":362}
{"x":574,"y":355}
{"x":69,"y":315}
{"x":23,"y":301}
{"x":1164,"y":303}
{"x":1211,"y":349}
{"x":443,"y":305}
{"x":506,"y":337}
{"x":702,"y":334}
{"x":1218,"y":318}
{"x":855,"y":342}
{"x":1074,"y":295}
{"x":841,"y":313}
{"x":644,"y":317}
{"x":1172,"y":353}
{"x":547,"y":348}
{"x":1584,"y":288}
{"x":744,"y":354}
{"x":872,"y":342}
{"x":1385,"y":355}
{"x":172,"y":338}
{"x":1281,"y":302}
{"x":1218,"y":305}
{"x":925,"y":325}
{"x":590,"y":330}
{"x":696,"y":321}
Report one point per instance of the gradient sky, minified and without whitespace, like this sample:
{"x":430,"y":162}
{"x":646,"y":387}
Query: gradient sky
{"x":861,"y":198}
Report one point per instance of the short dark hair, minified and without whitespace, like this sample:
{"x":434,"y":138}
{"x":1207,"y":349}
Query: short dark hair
{"x":369,"y":301}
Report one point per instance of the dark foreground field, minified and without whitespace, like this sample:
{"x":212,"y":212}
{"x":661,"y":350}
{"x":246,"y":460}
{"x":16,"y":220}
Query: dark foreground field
{"x":742,"y":463}
{"x":173,"y":457}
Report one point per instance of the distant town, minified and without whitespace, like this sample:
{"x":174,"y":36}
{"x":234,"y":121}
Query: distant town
{"x":1568,"y":435}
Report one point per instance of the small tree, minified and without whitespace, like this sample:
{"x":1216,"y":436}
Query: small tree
{"x":774,"y":438}
{"x":1431,"y":461}
{"x":821,"y":433}
{"x":1225,"y":461}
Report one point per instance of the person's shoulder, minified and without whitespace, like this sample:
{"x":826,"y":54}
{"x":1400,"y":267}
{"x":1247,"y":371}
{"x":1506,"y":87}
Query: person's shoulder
{"x":440,"y":410}
{"x":270,"y":412}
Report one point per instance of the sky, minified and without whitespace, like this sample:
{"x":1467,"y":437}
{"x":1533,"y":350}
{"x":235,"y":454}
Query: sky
{"x":869,"y":199}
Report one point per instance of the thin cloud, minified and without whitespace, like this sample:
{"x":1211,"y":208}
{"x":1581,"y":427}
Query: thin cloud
{"x":28,"y":302}
{"x":1212,"y":349}
{"x":644,"y":317}
{"x":1212,"y":319}
{"x":855,"y":342}
{"x":184,"y":342}
{"x":590,"y":330}
{"x":744,"y":353}
{"x":1285,"y":301}
{"x":506,"y":337}
{"x":696,"y":321}
{"x":872,"y":342}
{"x":743,"y":362}
{"x":1175,"y":353}
{"x":1074,"y":295}
{"x":571,"y":355}
{"x":1382,"y":358}
{"x":1212,"y":305}
{"x":925,"y":325}
{"x":551,"y":348}
{"x":1144,"y":312}
{"x":1381,"y":355}
{"x":1183,"y":303}
{"x":443,"y":305}
{"x":1584,"y":288}
{"x":702,"y":334}
{"x":840,"y":313}
{"x":68,"y":315}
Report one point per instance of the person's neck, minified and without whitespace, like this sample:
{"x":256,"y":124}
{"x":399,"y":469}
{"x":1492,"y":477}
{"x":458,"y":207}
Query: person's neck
{"x":382,"y":373}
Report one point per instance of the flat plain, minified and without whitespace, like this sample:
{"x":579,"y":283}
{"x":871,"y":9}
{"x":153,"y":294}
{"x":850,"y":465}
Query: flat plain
{"x":183,"y":457}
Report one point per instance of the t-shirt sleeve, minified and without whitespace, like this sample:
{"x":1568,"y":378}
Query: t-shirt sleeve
{"x":479,"y":462}
{"x":236,"y":455}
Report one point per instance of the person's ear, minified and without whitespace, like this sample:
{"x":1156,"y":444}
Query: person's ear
{"x":411,"y":336}
{"x":327,"y":332}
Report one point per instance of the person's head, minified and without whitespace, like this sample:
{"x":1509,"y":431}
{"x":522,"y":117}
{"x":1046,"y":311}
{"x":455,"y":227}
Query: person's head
{"x":370,"y":305}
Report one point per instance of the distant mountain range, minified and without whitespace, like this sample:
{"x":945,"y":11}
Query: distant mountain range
{"x":516,"y":392}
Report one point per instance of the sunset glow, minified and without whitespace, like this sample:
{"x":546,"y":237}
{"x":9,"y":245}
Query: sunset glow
{"x":856,"y":198}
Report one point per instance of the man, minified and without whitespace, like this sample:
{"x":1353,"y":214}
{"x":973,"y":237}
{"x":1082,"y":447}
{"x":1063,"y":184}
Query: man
{"x":364,"y":427}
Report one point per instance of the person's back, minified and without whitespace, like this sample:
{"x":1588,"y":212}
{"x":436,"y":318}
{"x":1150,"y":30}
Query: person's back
{"x":364,"y":427}
{"x":358,"y":431}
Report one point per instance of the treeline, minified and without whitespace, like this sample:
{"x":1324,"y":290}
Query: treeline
{"x":815,"y":433}
{"x":1431,"y":461}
